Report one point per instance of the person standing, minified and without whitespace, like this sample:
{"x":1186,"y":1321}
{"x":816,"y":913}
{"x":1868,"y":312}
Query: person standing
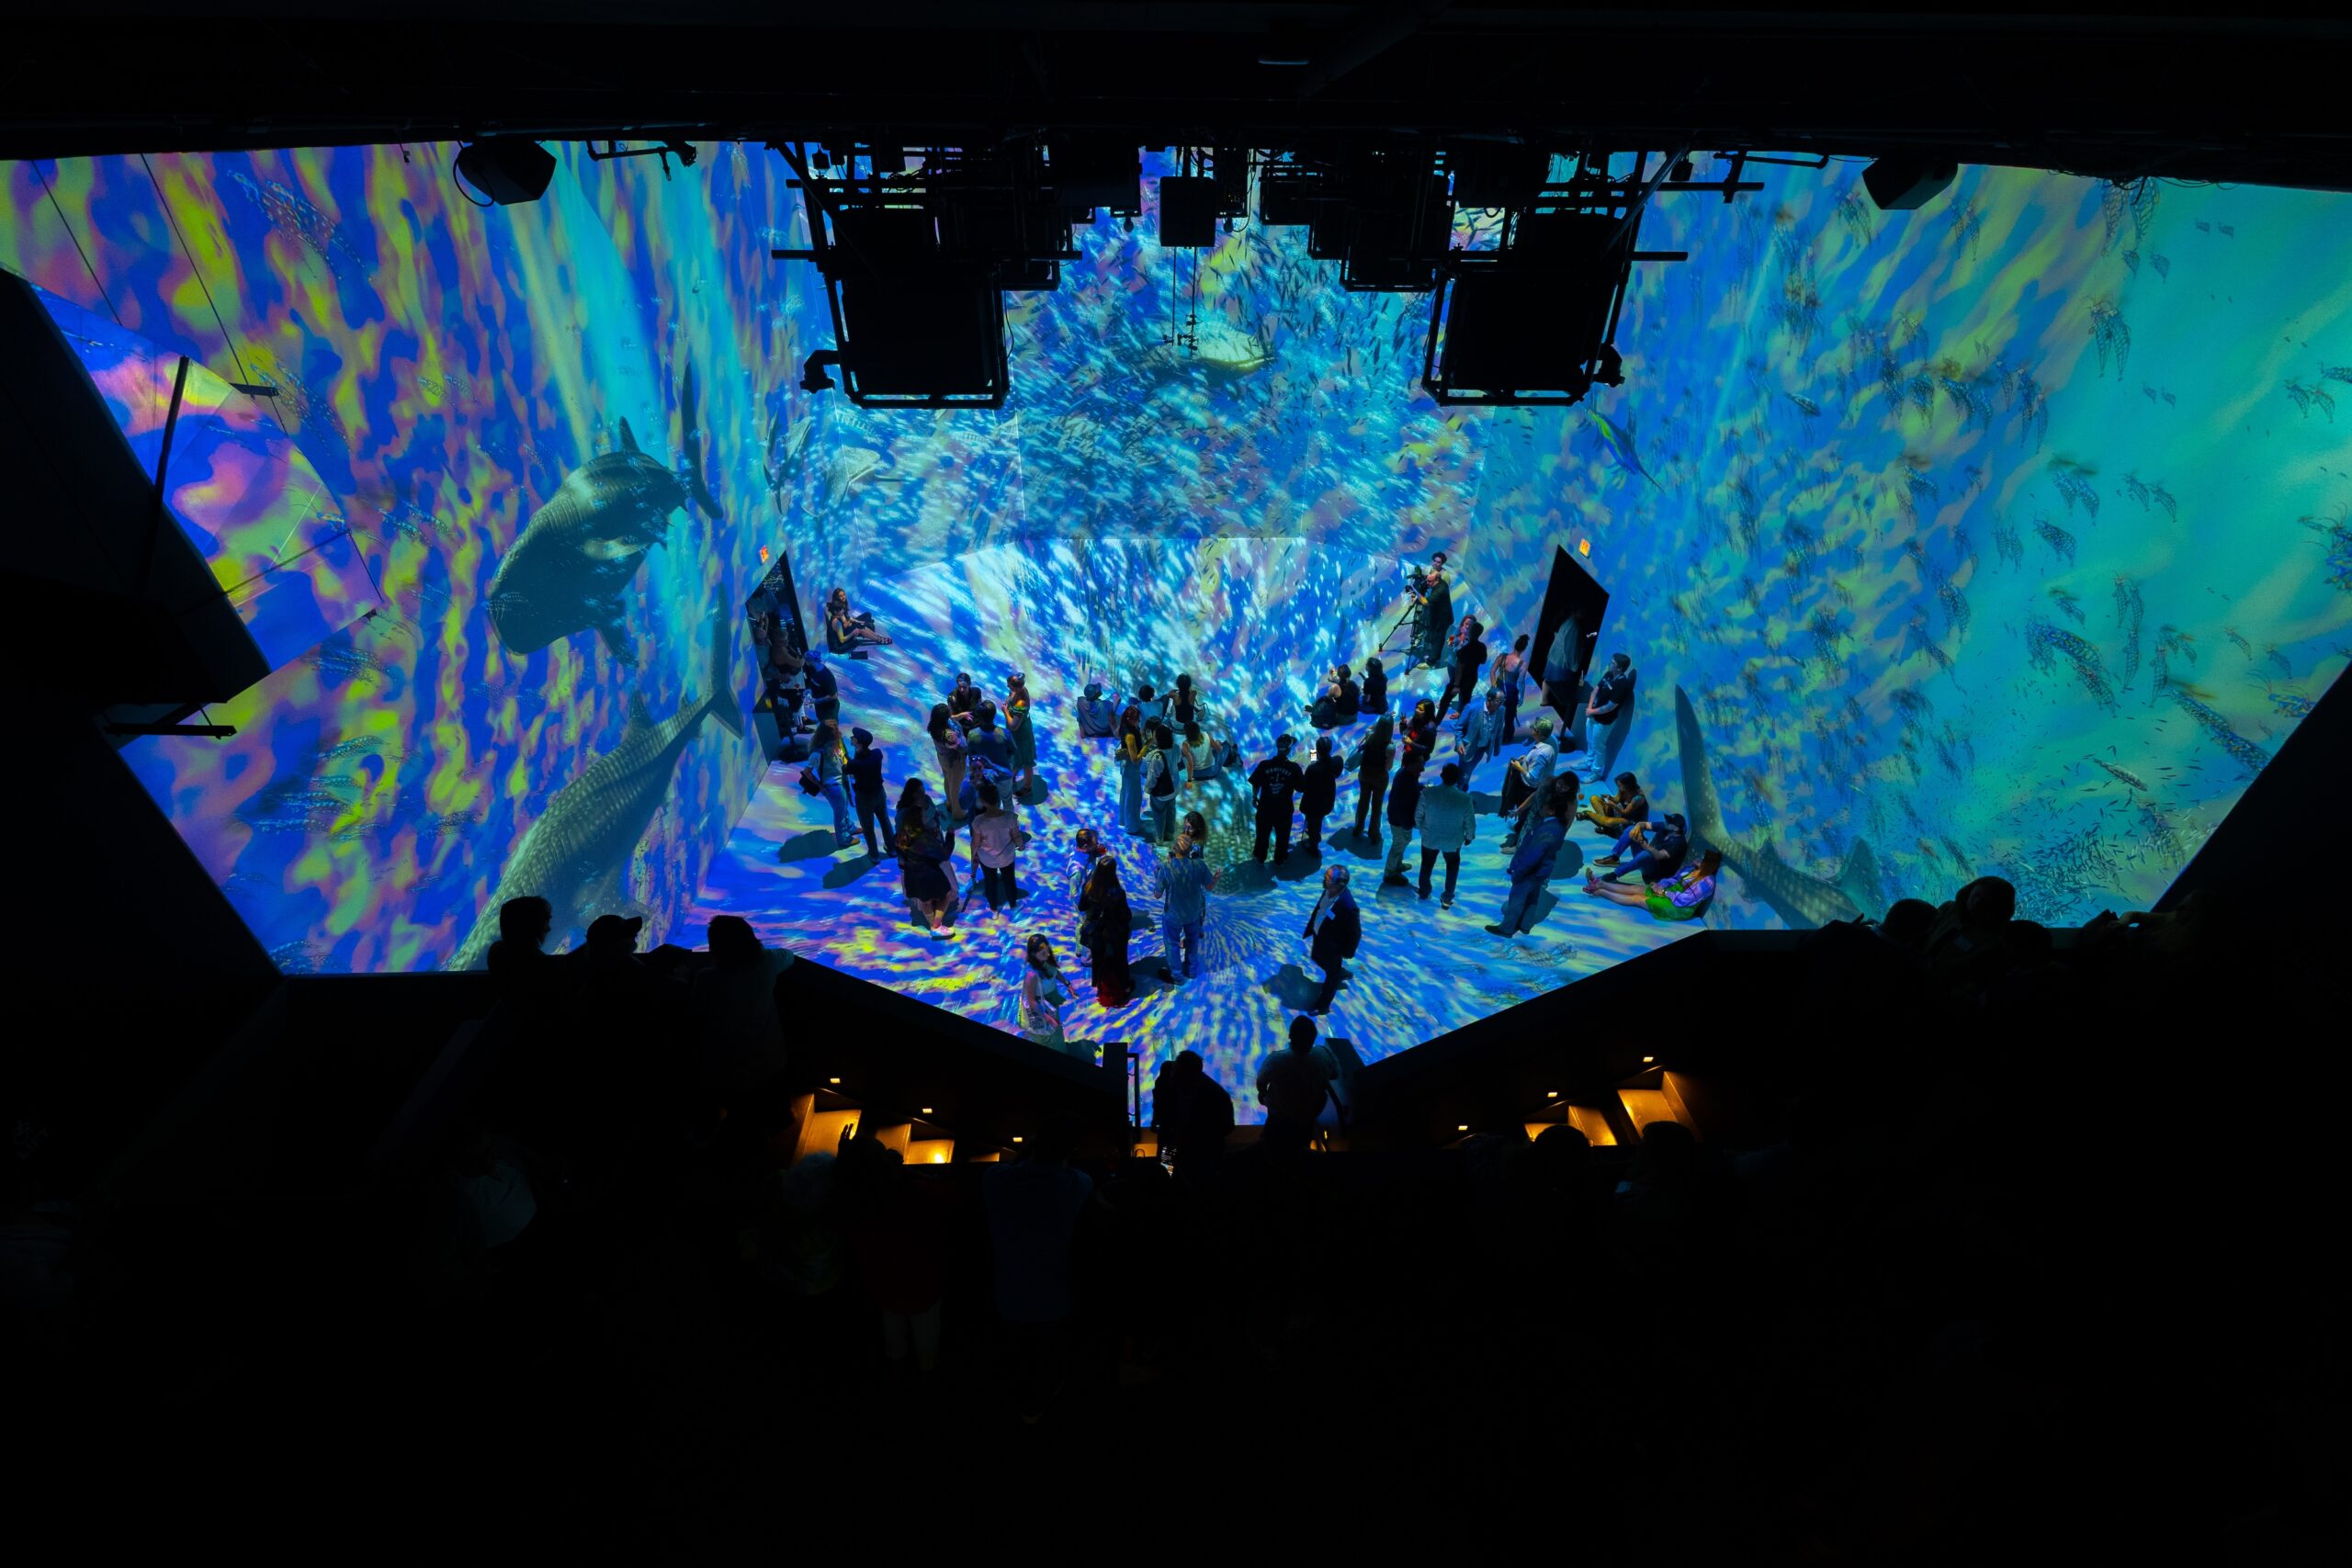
{"x":947,"y":745}
{"x":1086,"y":848}
{"x":1480,"y":736}
{"x":1404,"y":810}
{"x":1468,"y":660}
{"x":1612,"y":708}
{"x":1192,"y":1113}
{"x":1436,"y":613}
{"x":1530,"y":866}
{"x":987,"y":738}
{"x":1185,"y":879}
{"x":1319,"y":792}
{"x":1111,"y":923}
{"x":996,"y":834}
{"x":1374,"y":755}
{"x":1420,"y":735}
{"x":1273,"y":785}
{"x":1159,"y":784}
{"x":872,"y":804}
{"x":1043,"y":994}
{"x":1021,"y":734}
{"x":1198,"y":758}
{"x":1531,"y":776}
{"x":924,"y":858}
{"x":1334,"y":932}
{"x":1447,"y":826}
{"x":964,"y":700}
{"x":1511,"y":676}
{"x":1131,"y":769}
{"x":831,"y":763}
{"x":1563,"y":674}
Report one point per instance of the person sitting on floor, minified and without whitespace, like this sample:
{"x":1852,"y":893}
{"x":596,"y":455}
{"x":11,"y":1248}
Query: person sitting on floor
{"x":1097,"y":715}
{"x":846,"y":631}
{"x":1612,"y":814}
{"x":1656,"y":849}
{"x":1682,"y":896}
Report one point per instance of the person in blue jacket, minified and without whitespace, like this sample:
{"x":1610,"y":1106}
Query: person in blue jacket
{"x":1531,"y":865}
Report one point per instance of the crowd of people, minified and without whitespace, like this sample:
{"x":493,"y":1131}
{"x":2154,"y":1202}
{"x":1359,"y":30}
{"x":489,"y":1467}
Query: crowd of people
{"x":1180,"y":771}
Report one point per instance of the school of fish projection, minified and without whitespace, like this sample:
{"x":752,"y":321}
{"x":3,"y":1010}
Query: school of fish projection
{"x":2010,"y":534}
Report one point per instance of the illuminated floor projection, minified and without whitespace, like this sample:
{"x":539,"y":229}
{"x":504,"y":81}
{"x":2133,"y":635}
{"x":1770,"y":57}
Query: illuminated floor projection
{"x":1254,"y":623}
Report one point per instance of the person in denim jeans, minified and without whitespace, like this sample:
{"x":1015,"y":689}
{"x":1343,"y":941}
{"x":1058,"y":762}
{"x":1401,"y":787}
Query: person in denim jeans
{"x":832,"y":772}
{"x":1185,"y":879}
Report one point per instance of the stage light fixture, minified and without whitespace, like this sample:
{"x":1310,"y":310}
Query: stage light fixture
{"x":1187,"y":211}
{"x":1905,"y":182}
{"x":509,"y":170}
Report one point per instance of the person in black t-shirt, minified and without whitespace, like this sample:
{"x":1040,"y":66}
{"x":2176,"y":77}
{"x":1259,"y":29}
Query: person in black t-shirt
{"x":1274,"y":785}
{"x":867,"y":790}
{"x":1319,"y":791}
{"x":1468,"y":660}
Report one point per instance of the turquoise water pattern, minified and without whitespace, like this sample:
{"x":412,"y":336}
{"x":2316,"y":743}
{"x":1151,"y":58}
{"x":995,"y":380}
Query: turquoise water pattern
{"x":2011,"y":533}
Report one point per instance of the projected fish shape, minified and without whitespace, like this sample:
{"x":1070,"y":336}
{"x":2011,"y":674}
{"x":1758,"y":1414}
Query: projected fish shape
{"x":568,"y":569}
{"x":1619,"y":442}
{"x":577,"y":852}
{"x":1799,"y":898}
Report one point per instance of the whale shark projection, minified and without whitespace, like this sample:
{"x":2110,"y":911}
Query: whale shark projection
{"x":571,"y":564}
{"x":1799,"y":898}
{"x":577,"y":854}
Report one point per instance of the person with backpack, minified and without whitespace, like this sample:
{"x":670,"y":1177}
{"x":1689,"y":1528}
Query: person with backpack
{"x":1274,"y":786}
{"x":1334,"y":932}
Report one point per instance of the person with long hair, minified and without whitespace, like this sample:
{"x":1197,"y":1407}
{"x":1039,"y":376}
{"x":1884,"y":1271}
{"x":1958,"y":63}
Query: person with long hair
{"x":1023,"y":735}
{"x":1131,"y":752}
{"x":1612,"y":814}
{"x":1420,"y":735}
{"x":1111,"y":923}
{"x":846,"y":630}
{"x":1682,"y":896}
{"x":947,"y":744}
{"x":923,"y":857}
{"x":1043,"y":993}
{"x":830,"y":760}
{"x":1373,"y":697}
{"x":1510,"y":680}
{"x":1199,"y":755}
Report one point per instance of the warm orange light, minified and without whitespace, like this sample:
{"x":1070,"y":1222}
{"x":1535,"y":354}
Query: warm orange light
{"x":1016,"y":1139}
{"x":832,"y":1080}
{"x":1551,"y":1094}
{"x":1462,"y":1127}
{"x":1584,"y":546}
{"x":926,"y":1111}
{"x":764,"y":552}
{"x":1650,"y":1058}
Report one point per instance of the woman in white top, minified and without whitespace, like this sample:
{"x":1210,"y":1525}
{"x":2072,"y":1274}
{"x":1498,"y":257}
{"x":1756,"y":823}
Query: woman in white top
{"x":1199,"y":755}
{"x":1042,"y":994}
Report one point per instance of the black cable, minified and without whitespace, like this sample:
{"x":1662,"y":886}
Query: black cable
{"x":461,"y":185}
{"x":77,"y":243}
{"x":242,"y":374}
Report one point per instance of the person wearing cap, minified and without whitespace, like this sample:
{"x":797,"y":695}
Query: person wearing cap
{"x":1657,"y":849}
{"x":868,"y":790}
{"x":1018,"y":730}
{"x":1097,"y":715}
{"x":1334,"y":932}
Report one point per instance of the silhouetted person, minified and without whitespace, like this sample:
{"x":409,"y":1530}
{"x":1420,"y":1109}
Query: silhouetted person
{"x":516,"y":960}
{"x":1033,"y":1209}
{"x":897,"y":1227}
{"x":1297,"y":1080}
{"x":1191,"y":1112}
